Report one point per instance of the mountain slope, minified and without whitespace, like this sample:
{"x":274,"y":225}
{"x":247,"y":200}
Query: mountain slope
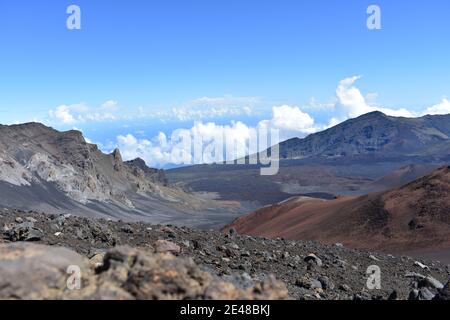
{"x":41,"y":168}
{"x":376,"y":135}
{"x":415,"y":216}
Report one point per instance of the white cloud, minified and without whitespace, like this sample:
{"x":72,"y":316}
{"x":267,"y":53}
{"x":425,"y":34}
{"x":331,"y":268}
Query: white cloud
{"x":291,"y":118}
{"x":62,"y":113}
{"x":161,"y":151}
{"x":353,"y":104}
{"x":441,"y":108}
{"x":81,"y":112}
{"x":213,"y":107}
{"x":110,"y":105}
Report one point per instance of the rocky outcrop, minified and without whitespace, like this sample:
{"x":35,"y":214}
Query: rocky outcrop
{"x":32,"y":153}
{"x":41,"y":168}
{"x":41,"y":272}
{"x":155,"y":175}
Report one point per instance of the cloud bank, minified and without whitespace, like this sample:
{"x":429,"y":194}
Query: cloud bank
{"x":291,"y":121}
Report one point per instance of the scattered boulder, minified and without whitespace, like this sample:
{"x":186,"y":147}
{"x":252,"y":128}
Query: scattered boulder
{"x":312,"y":258}
{"x":232,"y":233}
{"x":425,"y":294}
{"x":40,"y":272}
{"x":22,"y":232}
{"x":430,"y":282}
{"x":30,"y":271}
{"x":307,"y":283}
{"x":127,"y":229}
{"x":166,"y":246}
{"x":444,"y":293}
{"x":327,"y":284}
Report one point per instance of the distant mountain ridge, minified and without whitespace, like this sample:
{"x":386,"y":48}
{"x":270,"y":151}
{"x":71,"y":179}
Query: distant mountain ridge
{"x":375,"y":135}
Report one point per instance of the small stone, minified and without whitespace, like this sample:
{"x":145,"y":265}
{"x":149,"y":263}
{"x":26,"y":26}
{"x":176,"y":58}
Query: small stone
{"x":166,"y":246}
{"x":34,"y":235}
{"x":96,"y":261}
{"x":57,"y":234}
{"x":326,"y":283}
{"x":19,"y":220}
{"x":421,"y":265}
{"x":127,"y":229}
{"x":313,"y":258}
{"x":186,"y":243}
{"x":307,"y":283}
{"x":414,"y":275}
{"x":167,"y":230}
{"x":345,"y":287}
{"x":425,"y":294}
{"x":315,"y":284}
{"x":372,"y":257}
{"x":232,"y":233}
{"x":362,"y":296}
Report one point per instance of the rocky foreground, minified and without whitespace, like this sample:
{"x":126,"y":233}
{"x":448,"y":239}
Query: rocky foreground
{"x":119,"y":260}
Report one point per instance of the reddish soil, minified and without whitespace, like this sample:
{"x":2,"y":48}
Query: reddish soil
{"x":413,"y":217}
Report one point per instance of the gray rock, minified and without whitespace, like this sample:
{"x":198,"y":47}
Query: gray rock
{"x":414,"y":275}
{"x":431,"y":282}
{"x":372,"y":257}
{"x":313,"y":258}
{"x":414,"y":295}
{"x":29,"y":271}
{"x":421,"y":265}
{"x":127,"y":229}
{"x":22,"y":232}
{"x":362,"y":296}
{"x":166,"y":246}
{"x":425,"y":294}
{"x":345,"y":287}
{"x":245,"y":254}
{"x":444,"y":293}
{"x":232,"y":233}
{"x":327,"y":284}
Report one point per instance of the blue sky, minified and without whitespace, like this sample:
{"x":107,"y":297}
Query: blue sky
{"x":136,"y":65}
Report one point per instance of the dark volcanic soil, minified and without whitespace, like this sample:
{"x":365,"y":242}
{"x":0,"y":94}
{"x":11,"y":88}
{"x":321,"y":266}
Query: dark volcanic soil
{"x":335,"y":272}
